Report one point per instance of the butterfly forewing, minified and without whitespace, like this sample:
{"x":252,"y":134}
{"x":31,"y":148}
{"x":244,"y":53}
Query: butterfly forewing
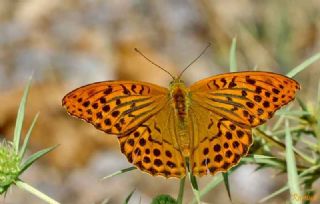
{"x":246,"y":98}
{"x":116,"y":107}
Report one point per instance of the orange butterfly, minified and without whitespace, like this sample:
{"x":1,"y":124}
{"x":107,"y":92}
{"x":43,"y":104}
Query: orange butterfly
{"x":205,"y":127}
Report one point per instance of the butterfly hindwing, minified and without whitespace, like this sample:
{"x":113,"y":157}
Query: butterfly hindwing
{"x":218,"y":143}
{"x":246,"y":98}
{"x":153,"y":146}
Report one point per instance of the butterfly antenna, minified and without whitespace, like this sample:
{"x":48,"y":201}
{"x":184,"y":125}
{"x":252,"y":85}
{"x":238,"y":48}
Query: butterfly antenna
{"x":193,"y":61}
{"x":138,"y":51}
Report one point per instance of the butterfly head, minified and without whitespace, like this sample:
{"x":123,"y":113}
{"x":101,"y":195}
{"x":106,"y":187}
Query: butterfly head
{"x":176,"y":82}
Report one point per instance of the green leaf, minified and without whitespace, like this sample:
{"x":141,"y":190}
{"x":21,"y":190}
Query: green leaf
{"x":233,"y":56}
{"x":302,"y":104}
{"x":304,"y":156}
{"x":20,"y":117}
{"x":216,"y":180}
{"x":26,"y":140}
{"x":105,"y":201}
{"x":120,"y":172}
{"x":277,"y":192}
{"x":226,"y":183}
{"x":303,"y":65}
{"x":318,"y":97}
{"x":129,"y":197}
{"x":311,"y":145}
{"x":293,"y":180}
{"x":278,"y":123}
{"x":35,"y":157}
{"x":195,"y":187}
{"x":259,"y":156}
{"x":274,"y":162}
{"x":286,"y":187}
{"x":297,"y":128}
{"x":163,"y":199}
{"x":268,"y":138}
{"x":181,"y":190}
{"x":4,"y":189}
{"x":309,"y":170}
{"x":290,"y":112}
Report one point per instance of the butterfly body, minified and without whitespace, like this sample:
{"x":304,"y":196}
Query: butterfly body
{"x":180,"y":100}
{"x":207,"y":124}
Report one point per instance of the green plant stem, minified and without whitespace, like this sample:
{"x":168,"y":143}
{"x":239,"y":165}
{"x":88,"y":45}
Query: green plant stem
{"x":195,"y":187}
{"x":120,"y":172}
{"x":233,"y":56}
{"x":304,"y":65}
{"x":30,"y":189}
{"x":181,"y":190}
{"x":293,"y":129}
{"x":216,"y":180}
{"x":293,"y":180}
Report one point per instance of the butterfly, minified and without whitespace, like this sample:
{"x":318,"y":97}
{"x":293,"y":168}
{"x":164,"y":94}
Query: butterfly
{"x":204,"y":128}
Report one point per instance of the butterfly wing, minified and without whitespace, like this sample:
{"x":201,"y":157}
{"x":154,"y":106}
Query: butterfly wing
{"x":218,"y":143}
{"x":116,"y":107}
{"x":153,"y":146}
{"x":139,"y":113}
{"x":246,"y":98}
{"x":227,"y":106}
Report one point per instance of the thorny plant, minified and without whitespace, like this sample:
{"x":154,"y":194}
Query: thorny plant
{"x":12,"y":164}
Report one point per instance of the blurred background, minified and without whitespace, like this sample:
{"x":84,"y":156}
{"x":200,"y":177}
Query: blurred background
{"x":68,"y":43}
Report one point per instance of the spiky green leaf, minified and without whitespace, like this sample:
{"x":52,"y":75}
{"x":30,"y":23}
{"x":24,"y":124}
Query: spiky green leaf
{"x":20,"y":117}
{"x":27,"y":138}
{"x":303,"y":65}
{"x":293,"y":180}
{"x":35,"y":157}
{"x":120,"y":172}
{"x":233,"y":56}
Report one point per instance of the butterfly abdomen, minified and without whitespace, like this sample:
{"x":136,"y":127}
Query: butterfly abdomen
{"x":179,"y":96}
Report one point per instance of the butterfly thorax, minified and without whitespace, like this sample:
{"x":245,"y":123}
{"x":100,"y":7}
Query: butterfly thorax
{"x":179,"y":95}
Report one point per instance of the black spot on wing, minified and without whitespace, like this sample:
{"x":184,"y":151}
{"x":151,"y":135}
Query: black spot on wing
{"x":125,"y":90}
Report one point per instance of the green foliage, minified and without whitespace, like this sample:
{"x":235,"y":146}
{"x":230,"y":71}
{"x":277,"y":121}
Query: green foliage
{"x":163,"y":199}
{"x":226,"y":182}
{"x":11,"y":156}
{"x":9,"y":165}
{"x":304,"y":65}
{"x":233,"y":56}
{"x":195,"y":187}
{"x":120,"y":172}
{"x":129,"y":197}
{"x":181,"y":191}
{"x":291,"y":166}
{"x":20,"y":118}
